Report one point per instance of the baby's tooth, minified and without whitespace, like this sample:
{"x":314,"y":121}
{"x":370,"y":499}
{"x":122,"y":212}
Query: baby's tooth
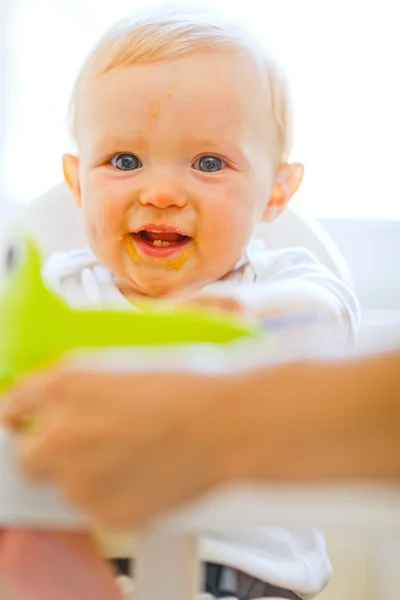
{"x":160,"y":244}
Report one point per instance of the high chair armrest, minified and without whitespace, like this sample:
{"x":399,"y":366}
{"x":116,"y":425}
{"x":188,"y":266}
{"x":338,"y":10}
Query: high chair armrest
{"x":363,"y":508}
{"x":369,"y":510}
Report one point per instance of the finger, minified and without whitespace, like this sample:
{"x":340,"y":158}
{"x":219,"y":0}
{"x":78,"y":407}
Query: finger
{"x":222,"y":303}
{"x":28,"y":395}
{"x":19,"y":403}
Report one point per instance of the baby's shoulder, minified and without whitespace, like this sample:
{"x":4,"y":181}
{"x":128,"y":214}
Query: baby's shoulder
{"x":268,"y":263}
{"x":62,"y":265}
{"x":79,"y":278}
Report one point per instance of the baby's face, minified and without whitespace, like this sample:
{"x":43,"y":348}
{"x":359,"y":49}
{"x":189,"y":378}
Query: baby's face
{"x":174,"y":171}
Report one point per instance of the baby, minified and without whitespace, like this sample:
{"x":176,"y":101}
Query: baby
{"x":182,"y":124}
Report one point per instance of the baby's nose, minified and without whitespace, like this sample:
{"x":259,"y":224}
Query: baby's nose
{"x":163,"y":196}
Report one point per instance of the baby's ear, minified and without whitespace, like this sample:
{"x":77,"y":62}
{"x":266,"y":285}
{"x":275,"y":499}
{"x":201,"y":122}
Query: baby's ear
{"x":70,"y":164}
{"x":288,"y":180}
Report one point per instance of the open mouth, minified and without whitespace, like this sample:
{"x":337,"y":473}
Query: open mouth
{"x":160,"y":241}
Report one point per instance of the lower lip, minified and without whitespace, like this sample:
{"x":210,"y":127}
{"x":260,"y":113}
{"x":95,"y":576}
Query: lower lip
{"x":158,"y":251}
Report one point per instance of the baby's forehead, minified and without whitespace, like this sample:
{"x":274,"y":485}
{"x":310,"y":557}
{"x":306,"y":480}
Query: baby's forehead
{"x":214,"y":86}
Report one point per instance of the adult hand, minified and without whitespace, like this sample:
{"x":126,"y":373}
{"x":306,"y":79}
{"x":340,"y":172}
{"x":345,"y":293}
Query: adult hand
{"x":126,"y":447}
{"x":122,"y":446}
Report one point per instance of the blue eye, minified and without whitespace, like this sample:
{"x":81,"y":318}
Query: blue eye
{"x":209,"y":164}
{"x":126,"y":162}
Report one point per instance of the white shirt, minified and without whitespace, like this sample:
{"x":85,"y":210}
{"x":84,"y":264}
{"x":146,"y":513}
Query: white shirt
{"x":294,"y":560}
{"x":82,"y":281}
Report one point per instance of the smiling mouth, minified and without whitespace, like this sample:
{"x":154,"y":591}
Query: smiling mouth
{"x":161,"y":239}
{"x":160,"y":242}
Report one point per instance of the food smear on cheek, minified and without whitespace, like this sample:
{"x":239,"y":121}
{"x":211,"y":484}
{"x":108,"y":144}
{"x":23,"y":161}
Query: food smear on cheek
{"x":133,"y":253}
{"x":176,"y":263}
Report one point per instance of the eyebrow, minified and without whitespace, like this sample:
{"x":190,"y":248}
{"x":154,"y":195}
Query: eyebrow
{"x":120,"y":142}
{"x":142,"y":140}
{"x":234,"y":152}
{"x":223,"y":145}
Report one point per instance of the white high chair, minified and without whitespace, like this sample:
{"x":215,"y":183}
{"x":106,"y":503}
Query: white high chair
{"x":371,"y":511}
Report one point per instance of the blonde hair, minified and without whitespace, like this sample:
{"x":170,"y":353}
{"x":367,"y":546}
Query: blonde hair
{"x":174,"y":31}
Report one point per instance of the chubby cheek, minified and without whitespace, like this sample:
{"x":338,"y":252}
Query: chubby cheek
{"x":228,"y":226}
{"x":104,"y":209}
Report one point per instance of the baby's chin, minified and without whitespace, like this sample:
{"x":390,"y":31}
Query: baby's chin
{"x":161,"y":286}
{"x":169,"y":281}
